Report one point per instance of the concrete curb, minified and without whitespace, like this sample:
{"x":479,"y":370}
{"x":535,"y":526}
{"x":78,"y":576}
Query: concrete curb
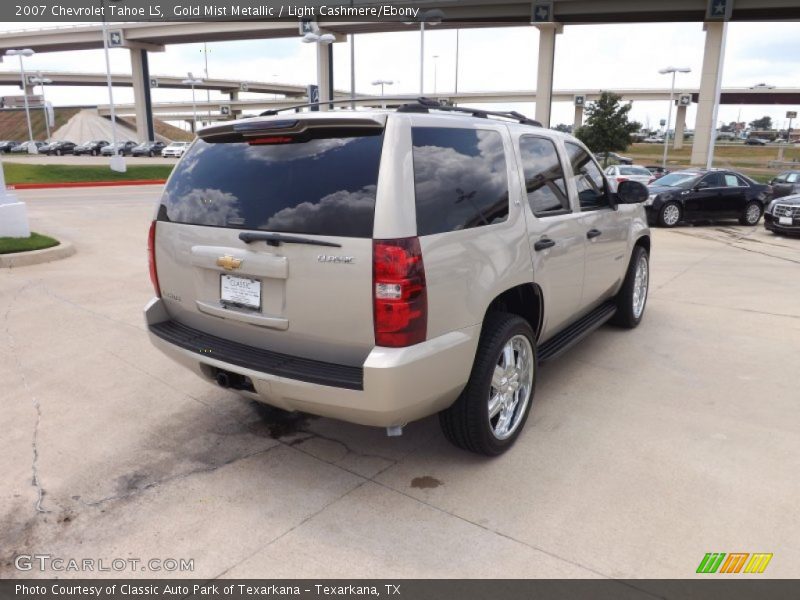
{"x":35,"y":257}
{"x":78,"y":184}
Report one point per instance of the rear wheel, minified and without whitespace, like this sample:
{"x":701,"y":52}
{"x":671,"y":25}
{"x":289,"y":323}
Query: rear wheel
{"x":490,"y":413}
{"x":632,"y":298}
{"x":670,"y":214}
{"x":751,"y":214}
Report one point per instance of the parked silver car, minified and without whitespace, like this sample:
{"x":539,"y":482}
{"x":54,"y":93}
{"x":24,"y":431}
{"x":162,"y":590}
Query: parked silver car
{"x":620,"y":173}
{"x":379,"y":267}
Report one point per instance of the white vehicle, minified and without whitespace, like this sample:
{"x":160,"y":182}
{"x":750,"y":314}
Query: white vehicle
{"x":654,"y":140}
{"x":620,"y":173}
{"x":175,"y":149}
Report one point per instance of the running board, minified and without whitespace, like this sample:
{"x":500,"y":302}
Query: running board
{"x":573,"y":333}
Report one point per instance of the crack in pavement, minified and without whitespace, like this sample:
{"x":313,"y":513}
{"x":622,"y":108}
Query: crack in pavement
{"x":35,"y":479}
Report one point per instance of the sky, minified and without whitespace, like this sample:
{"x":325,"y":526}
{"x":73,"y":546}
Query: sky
{"x":587,"y":56}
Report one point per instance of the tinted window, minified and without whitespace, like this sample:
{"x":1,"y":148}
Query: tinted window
{"x":588,"y":178}
{"x":677,"y":180}
{"x":460,"y":178}
{"x":322,"y":186}
{"x":714,"y":180}
{"x":544,"y":177}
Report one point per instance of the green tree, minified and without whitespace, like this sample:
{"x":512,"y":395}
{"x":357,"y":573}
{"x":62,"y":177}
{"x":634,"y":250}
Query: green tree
{"x":762,"y":124}
{"x":607,"y":127}
{"x":563,"y":128}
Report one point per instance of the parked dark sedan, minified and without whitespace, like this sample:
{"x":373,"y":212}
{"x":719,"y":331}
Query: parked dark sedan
{"x":783,"y":215}
{"x":58,"y":148}
{"x":92,"y":147}
{"x":148,"y":149}
{"x":756,"y":141}
{"x":785,"y":184}
{"x":698,"y":195}
{"x":121,"y":148}
{"x":7,"y":145}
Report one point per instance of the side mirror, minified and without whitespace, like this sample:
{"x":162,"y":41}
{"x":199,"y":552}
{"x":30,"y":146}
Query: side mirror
{"x":632,"y":192}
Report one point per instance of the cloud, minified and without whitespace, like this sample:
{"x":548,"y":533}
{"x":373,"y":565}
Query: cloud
{"x":344,"y":212}
{"x":203,"y":207}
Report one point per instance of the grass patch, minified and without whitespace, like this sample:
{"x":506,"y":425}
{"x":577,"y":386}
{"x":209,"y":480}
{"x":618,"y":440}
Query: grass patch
{"x":22,"y":173}
{"x":37,"y":241}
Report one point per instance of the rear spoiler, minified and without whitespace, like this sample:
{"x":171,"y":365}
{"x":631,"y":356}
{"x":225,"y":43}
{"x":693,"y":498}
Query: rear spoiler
{"x":299,"y":127}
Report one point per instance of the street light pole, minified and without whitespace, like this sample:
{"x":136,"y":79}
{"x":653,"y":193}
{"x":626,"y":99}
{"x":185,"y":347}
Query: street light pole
{"x":435,"y":71}
{"x":21,"y":53}
{"x":192,"y":81}
{"x":42,"y":81}
{"x":382,"y":82}
{"x":672,"y":70}
{"x":117,"y":162}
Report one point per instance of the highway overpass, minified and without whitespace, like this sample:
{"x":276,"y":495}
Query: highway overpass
{"x":549,"y":17}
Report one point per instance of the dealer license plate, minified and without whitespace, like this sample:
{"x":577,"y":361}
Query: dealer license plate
{"x":785,"y":220}
{"x":240,"y":291}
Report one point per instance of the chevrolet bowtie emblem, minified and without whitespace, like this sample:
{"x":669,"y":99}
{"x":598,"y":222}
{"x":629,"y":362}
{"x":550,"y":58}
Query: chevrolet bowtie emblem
{"x":229,"y":263}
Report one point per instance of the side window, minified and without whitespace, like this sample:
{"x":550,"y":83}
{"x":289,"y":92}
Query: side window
{"x":588,"y":178}
{"x":742,"y":182}
{"x":544,"y":177}
{"x":714,"y":180}
{"x":460,"y":178}
{"x":731,"y":180}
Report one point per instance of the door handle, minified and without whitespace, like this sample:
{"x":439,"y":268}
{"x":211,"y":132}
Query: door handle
{"x":593,"y":233}
{"x":543,"y":244}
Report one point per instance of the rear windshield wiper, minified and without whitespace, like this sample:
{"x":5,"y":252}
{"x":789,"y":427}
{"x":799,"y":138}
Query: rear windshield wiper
{"x":276,"y":239}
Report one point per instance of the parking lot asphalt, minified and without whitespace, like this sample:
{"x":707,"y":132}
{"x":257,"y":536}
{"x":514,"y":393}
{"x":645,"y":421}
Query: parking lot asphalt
{"x":645,"y":449}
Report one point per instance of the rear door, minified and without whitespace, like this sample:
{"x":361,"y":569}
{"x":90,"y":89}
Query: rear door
{"x":734,"y":195}
{"x":555,"y":231}
{"x":264,"y":236}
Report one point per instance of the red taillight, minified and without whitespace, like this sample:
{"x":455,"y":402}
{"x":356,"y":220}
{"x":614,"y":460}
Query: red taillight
{"x":151,"y":258}
{"x":400,"y":299}
{"x":621,"y":179}
{"x":273,"y":139}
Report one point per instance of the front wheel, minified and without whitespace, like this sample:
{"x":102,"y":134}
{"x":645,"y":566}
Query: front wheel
{"x":751,"y":215}
{"x":632,"y":297}
{"x":490,"y":413}
{"x":670,"y":214}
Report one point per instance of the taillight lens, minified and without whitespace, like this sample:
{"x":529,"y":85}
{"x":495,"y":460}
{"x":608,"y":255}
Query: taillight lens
{"x":399,"y":294}
{"x":151,"y":258}
{"x":621,"y":179}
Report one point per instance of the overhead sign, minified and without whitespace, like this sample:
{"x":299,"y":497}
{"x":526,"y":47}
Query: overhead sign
{"x":243,"y":87}
{"x":791,"y":114}
{"x":115,"y":38}
{"x":225,"y":110}
{"x":719,"y":10}
{"x":153,"y":82}
{"x":542,"y":11}
{"x":663,"y":122}
{"x":580,"y":100}
{"x":685,"y":100}
{"x":308,"y":25}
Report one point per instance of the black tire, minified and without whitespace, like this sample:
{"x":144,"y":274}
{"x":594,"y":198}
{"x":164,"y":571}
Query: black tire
{"x":747,"y":216}
{"x":668,"y":222}
{"x":626,"y":315}
{"x":466,"y":423}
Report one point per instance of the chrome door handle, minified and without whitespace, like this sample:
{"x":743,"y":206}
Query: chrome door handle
{"x":593,"y":233}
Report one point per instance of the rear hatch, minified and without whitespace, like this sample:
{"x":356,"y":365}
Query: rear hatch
{"x":264,"y":235}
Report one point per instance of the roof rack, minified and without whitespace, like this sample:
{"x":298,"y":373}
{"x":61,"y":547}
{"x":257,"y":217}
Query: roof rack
{"x":416,"y":105}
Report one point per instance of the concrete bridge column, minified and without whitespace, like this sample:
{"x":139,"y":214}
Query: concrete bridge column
{"x":325,"y":73}
{"x":680,"y":126}
{"x":544,"y":71}
{"x":235,"y":112}
{"x":578,"y":117}
{"x":710,"y":86}
{"x":140,"y":69}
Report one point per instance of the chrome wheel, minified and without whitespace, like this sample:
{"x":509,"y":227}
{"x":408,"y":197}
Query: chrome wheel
{"x":671,"y":215}
{"x":640,"y":282}
{"x":753,"y":214}
{"x":510,"y":390}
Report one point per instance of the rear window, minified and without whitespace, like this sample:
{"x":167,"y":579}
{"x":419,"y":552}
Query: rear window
{"x":460,"y":178}
{"x":325,"y":186}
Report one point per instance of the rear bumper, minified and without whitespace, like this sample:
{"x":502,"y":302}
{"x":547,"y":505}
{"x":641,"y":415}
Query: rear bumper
{"x":393,"y":387}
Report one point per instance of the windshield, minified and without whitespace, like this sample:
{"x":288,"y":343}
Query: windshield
{"x":677,"y":179}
